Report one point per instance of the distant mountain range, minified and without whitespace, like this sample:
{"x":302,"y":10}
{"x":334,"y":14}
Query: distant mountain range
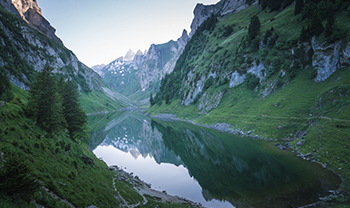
{"x":138,"y":74}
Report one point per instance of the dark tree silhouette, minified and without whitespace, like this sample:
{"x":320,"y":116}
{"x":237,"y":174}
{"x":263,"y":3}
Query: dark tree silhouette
{"x":254,"y":27}
{"x":299,"y":4}
{"x":316,"y":27}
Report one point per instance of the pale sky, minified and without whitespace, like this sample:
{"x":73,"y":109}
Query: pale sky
{"x":99,"y":31}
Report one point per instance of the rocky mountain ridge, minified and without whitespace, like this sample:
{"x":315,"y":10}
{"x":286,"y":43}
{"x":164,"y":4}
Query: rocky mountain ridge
{"x":28,"y":43}
{"x":141,"y":72}
{"x":224,"y":7}
{"x":30,"y":12}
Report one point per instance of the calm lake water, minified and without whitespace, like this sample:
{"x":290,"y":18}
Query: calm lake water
{"x":206,"y":166}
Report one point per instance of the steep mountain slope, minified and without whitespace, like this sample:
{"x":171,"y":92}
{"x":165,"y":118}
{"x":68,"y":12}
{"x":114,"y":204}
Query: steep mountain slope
{"x":30,"y":12}
{"x":25,"y":50}
{"x":136,"y":75}
{"x":28,"y":42}
{"x":279,"y":77}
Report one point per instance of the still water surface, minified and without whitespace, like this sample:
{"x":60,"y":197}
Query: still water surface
{"x":206,"y":166}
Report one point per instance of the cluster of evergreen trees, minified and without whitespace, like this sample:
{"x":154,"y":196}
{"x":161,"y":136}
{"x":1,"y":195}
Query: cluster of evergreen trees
{"x":318,"y":11}
{"x":54,"y":105}
{"x":5,"y":86}
{"x":275,"y":5}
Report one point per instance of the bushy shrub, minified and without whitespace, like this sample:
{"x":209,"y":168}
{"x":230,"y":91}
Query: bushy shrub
{"x":251,"y":81}
{"x":16,"y":178}
{"x":208,"y":83}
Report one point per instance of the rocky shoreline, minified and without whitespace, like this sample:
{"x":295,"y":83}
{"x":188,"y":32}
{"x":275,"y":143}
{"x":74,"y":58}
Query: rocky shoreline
{"x":227,"y":128}
{"x":144,"y":189}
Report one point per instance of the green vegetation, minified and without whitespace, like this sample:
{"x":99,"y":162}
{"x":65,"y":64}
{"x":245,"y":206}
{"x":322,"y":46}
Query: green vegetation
{"x":66,"y":168}
{"x":53,"y":170}
{"x":98,"y":101}
{"x":286,"y":100}
{"x":14,"y":63}
{"x":45,"y":103}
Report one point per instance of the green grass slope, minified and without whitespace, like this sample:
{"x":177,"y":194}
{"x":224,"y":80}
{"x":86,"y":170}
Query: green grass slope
{"x":54,"y":171}
{"x":279,"y":106}
{"x":96,"y":101}
{"x":65,"y":168}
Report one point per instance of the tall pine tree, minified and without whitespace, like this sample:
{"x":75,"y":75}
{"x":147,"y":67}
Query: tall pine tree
{"x":299,"y":4}
{"x":151,"y":99}
{"x":316,"y":27}
{"x":44,"y":102}
{"x":330,"y":24}
{"x":5,"y":87}
{"x":73,"y":112}
{"x":254,"y":27}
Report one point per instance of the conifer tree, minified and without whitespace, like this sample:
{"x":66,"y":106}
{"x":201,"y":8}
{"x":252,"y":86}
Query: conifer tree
{"x":330,"y":25}
{"x":44,"y":102}
{"x":304,"y":35}
{"x":263,"y":3}
{"x":151,"y":99}
{"x":316,"y":27}
{"x":299,"y":4}
{"x":275,"y":5}
{"x":73,"y":112}
{"x":5,"y":87}
{"x":254,"y":27}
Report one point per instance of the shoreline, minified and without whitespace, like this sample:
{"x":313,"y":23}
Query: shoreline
{"x":226,"y":128}
{"x":144,"y":189}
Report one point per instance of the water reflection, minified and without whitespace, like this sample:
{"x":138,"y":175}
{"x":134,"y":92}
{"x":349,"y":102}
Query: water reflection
{"x":244,"y":172}
{"x":131,"y":131}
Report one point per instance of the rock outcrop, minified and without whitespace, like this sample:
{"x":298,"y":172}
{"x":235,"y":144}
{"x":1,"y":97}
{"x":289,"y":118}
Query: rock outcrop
{"x":161,"y":60}
{"x":224,"y":7}
{"x":98,"y":68}
{"x":23,"y":41}
{"x":29,"y":11}
{"x":329,"y":57}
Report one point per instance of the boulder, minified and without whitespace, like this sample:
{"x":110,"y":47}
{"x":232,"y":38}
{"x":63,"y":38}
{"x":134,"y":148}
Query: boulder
{"x":300,"y":143}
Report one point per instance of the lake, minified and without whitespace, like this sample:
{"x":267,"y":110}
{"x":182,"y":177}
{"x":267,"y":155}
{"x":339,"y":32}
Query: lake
{"x":207,"y":166}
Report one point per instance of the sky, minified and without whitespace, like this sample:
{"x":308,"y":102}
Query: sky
{"x":99,"y":31}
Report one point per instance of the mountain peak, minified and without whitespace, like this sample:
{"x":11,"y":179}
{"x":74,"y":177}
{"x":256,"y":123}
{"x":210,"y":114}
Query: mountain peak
{"x":184,"y":38}
{"x":223,"y":7}
{"x":139,"y":53}
{"x":129,"y":55}
{"x":30,"y":12}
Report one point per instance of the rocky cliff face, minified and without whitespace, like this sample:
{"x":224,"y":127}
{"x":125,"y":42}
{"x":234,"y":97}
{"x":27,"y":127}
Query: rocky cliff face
{"x":329,"y":57}
{"x":29,"y":11}
{"x":224,"y":7}
{"x":160,"y":60}
{"x":24,"y":45}
{"x":98,"y":68}
{"x":143,"y":71}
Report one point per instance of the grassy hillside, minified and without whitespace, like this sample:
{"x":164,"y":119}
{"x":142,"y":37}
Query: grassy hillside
{"x":293,"y":108}
{"x":37,"y":169}
{"x":96,"y":101}
{"x":285,"y":101}
{"x":65,"y":168}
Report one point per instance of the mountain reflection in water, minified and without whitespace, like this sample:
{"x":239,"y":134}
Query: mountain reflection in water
{"x":228,"y":168}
